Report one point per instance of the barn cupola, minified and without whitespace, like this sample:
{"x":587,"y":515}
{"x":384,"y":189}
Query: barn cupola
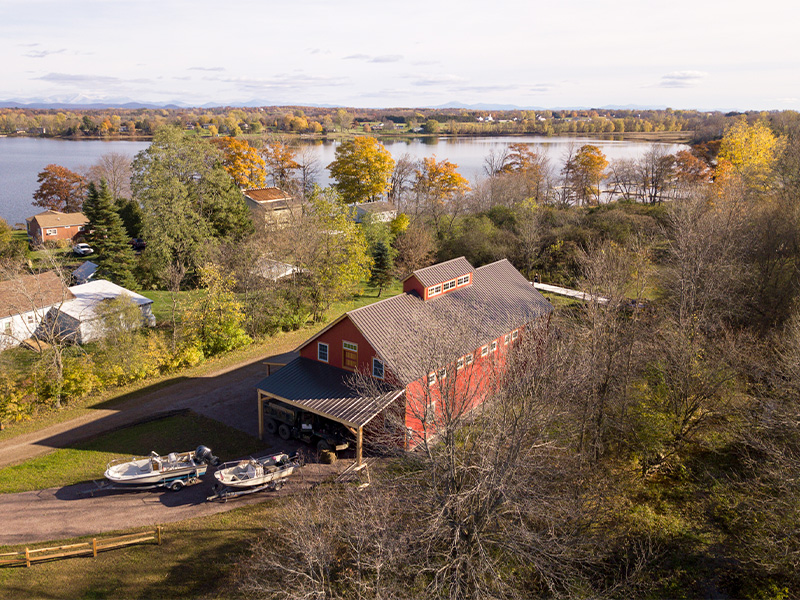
{"x":432,"y":282}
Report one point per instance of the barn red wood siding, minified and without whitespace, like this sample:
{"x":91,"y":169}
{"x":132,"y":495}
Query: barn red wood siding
{"x":343,"y":331}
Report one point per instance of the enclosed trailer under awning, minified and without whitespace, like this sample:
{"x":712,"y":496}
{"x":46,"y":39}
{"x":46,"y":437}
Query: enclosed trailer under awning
{"x":324,"y":390}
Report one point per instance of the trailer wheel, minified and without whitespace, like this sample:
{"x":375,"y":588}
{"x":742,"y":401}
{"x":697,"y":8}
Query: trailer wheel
{"x":272,"y":426}
{"x":284,"y":432}
{"x":176,"y":485}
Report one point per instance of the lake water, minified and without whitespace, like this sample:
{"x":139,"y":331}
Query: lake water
{"x":22,"y":158}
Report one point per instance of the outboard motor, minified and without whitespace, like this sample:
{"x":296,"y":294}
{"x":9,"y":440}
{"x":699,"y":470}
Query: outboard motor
{"x":203,"y":454}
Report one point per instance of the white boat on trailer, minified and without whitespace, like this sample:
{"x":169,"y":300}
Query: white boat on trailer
{"x":172,"y":471}
{"x":240,"y":477}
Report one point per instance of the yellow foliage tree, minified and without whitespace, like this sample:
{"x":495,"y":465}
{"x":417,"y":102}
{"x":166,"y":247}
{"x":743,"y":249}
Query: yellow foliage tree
{"x":751,"y":150}
{"x":280,"y":162}
{"x":585,"y":170}
{"x":438,"y":181}
{"x":242,"y":162}
{"x":362,"y":169}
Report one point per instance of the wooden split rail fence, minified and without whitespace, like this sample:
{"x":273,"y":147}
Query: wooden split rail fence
{"x":26,"y":558}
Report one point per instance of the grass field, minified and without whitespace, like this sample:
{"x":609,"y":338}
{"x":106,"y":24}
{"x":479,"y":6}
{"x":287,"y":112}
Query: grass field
{"x":87,"y":460}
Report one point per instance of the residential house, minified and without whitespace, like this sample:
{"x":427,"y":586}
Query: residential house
{"x":53,"y":226}
{"x":381,"y":211}
{"x":470,"y":316}
{"x":271,"y":206}
{"x":24,"y":303}
{"x":79,"y":320}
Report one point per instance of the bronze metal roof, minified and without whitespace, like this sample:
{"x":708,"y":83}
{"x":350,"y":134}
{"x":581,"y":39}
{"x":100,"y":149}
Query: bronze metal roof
{"x":267,"y":194}
{"x":325,"y":390}
{"x":407,"y":331}
{"x":32,"y":292}
{"x":445,"y":271}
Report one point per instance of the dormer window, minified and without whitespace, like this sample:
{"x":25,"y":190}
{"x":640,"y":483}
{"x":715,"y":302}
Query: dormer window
{"x":463,"y":280}
{"x":434,"y":290}
{"x":448,"y":285}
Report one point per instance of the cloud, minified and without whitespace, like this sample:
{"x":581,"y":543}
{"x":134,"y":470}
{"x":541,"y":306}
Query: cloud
{"x":387,"y":58}
{"x":788,"y":100}
{"x":283,"y":81}
{"x":209,"y":69}
{"x":44,"y":53}
{"x":432,"y":80}
{"x":87,"y":80}
{"x":384,"y":58}
{"x":682,"y":79}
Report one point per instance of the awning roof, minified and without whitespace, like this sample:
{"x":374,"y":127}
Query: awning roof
{"x":324,"y":390}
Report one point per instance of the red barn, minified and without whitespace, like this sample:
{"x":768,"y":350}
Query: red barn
{"x":452,"y":326}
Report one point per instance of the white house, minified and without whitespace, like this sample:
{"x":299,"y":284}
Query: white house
{"x":79,"y":319}
{"x":25,"y":301}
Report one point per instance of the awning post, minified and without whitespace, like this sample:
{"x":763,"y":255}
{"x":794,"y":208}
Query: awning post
{"x":359,"y":444}
{"x":260,"y":417}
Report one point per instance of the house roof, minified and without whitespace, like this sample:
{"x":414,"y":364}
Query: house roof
{"x":31,"y":292}
{"x":53,"y":218}
{"x":406,"y":331}
{"x":379,"y":206}
{"x":266,"y":194}
{"x":325,"y":390}
{"x":88,"y":296}
{"x":443,"y":271}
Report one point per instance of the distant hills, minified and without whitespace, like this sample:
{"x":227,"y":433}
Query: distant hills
{"x":84,"y":103}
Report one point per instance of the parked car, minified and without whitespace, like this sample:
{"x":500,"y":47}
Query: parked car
{"x":82,"y":249}
{"x":138,"y":244}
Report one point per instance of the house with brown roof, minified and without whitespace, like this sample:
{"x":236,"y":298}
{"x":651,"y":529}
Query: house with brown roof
{"x":52,"y":226}
{"x":24,"y":304}
{"x":380,"y":211}
{"x":452,"y":325}
{"x":271,"y":206}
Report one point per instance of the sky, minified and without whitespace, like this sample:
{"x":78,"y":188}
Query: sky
{"x":698,"y":54}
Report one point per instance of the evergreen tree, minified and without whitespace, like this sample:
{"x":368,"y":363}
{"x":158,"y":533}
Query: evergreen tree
{"x":107,"y":236}
{"x":382,"y":267}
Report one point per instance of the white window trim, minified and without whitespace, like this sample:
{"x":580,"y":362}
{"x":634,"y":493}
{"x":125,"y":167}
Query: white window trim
{"x":493,"y":347}
{"x":51,"y":231}
{"x":349,"y":346}
{"x":460,"y":363}
{"x":378,"y":361}
{"x":448,"y":285}
{"x":433,"y":291}
{"x":442,"y":374}
{"x":514,"y":334}
{"x":469,"y":360}
{"x":430,"y":412}
{"x":327,"y":352}
{"x":506,"y":339}
{"x":484,"y":350}
{"x":431,"y":378}
{"x":463,"y":280}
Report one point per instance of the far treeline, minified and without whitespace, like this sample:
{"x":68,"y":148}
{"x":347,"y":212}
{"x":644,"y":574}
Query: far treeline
{"x":647,"y":447}
{"x":235,"y":121}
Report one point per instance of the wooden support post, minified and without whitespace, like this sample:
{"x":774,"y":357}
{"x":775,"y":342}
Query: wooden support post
{"x":260,"y":417}
{"x":359,"y":444}
{"x":158,"y":534}
{"x":27,"y":558}
{"x":94,"y":547}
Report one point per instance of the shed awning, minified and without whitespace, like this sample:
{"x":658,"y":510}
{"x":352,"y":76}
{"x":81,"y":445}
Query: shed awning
{"x":324,"y":390}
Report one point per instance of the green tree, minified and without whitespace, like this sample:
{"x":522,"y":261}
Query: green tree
{"x":382,"y":267}
{"x":108,"y":236}
{"x":214,"y":320}
{"x":362,"y":169}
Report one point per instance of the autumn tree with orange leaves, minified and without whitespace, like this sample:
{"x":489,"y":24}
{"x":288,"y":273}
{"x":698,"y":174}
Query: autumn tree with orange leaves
{"x":584,"y":171}
{"x":242,"y":162}
{"x":60,"y":189}
{"x":437,"y":185}
{"x":279,"y":159}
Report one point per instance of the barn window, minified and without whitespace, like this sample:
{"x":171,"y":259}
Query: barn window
{"x":322,"y":352}
{"x":463,"y":280}
{"x":484,"y":350}
{"x":514,"y":334}
{"x":431,"y":378}
{"x":350,"y":346}
{"x":460,"y":363}
{"x":448,"y":285}
{"x":377,"y":368}
{"x":430,"y":412}
{"x":469,"y":359}
{"x":434,"y":290}
{"x":506,"y":338}
{"x":442,"y":374}
{"x":30,"y":319}
{"x":494,"y":346}
{"x":349,"y":355}
{"x":51,"y":231}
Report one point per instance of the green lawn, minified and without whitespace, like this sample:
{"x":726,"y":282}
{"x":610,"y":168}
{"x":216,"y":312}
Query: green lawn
{"x":196,"y":560}
{"x":87,"y":460}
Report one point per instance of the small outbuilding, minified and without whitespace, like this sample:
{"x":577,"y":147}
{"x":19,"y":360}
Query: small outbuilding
{"x":53,"y":226}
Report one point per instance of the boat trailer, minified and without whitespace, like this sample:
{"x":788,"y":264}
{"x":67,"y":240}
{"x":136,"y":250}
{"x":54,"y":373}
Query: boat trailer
{"x":224,"y":492}
{"x":172,"y":483}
